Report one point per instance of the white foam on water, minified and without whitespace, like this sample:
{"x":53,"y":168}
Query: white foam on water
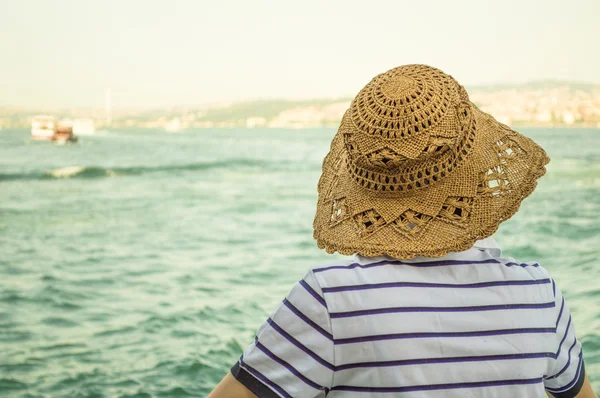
{"x":66,"y":172}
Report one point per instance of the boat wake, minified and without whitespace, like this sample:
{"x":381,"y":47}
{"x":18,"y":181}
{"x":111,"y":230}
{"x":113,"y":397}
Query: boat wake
{"x":72,"y":171}
{"x":102,"y":172}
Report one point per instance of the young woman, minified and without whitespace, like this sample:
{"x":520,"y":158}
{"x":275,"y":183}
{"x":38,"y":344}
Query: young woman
{"x":416,"y":182}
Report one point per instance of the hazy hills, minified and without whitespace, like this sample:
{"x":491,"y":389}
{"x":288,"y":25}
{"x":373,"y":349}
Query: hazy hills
{"x":546,"y":102}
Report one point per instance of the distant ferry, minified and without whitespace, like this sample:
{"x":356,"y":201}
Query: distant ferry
{"x":42,"y":127}
{"x":173,"y":126}
{"x":63,"y":133}
{"x":83,"y":127}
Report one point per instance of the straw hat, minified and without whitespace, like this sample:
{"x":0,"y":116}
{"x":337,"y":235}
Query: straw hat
{"x":416,"y":169}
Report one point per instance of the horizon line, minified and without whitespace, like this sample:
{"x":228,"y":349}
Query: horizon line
{"x":345,"y":97}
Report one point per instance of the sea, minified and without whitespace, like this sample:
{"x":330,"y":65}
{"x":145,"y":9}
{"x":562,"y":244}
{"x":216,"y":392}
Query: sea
{"x":139,"y":263}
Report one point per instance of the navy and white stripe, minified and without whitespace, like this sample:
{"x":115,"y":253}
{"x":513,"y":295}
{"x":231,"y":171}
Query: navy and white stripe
{"x":370,"y":327}
{"x":565,"y":369}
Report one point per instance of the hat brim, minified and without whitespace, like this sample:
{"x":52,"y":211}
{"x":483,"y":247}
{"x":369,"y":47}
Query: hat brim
{"x":449,"y":216}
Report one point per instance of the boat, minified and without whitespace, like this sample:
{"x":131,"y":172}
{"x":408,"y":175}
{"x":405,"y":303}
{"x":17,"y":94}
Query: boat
{"x":83,"y":127}
{"x":173,"y":126}
{"x":63,"y":133}
{"x":42,"y":127}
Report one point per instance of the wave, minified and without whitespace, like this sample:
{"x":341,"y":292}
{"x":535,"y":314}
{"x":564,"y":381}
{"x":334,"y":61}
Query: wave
{"x":86,"y":172}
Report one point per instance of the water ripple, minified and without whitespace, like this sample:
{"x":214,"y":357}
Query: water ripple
{"x":141,"y":265}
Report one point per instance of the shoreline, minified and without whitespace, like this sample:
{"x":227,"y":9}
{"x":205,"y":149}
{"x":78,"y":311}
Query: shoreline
{"x":288,"y":127}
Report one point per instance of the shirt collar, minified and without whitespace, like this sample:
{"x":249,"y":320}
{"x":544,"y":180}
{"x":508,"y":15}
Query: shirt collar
{"x":490,"y":245}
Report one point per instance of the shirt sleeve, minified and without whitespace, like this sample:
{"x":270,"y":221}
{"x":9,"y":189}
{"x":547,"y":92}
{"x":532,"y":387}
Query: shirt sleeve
{"x":292,"y":354}
{"x":566,"y":372}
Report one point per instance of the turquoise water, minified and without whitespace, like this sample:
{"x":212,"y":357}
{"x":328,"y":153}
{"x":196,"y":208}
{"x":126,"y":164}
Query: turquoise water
{"x":145,"y":266}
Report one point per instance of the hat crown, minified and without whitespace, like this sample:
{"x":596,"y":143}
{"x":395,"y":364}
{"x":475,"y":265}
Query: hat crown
{"x":407,"y":129}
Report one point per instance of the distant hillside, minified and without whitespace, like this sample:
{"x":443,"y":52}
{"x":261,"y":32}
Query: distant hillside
{"x":536,"y":85}
{"x":267,"y":109}
{"x":540,"y":103}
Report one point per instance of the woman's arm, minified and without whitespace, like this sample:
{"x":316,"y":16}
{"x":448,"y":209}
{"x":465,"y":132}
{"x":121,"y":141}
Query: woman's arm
{"x":229,"y":387}
{"x":586,"y":390}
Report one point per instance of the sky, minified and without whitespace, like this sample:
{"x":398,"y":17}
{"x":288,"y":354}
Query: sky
{"x":155,"y":53}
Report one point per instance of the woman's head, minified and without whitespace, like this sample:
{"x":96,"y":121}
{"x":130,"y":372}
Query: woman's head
{"x":417,"y":169}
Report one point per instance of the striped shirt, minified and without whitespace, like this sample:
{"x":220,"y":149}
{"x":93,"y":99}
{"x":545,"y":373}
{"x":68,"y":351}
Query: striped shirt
{"x":469,"y":324}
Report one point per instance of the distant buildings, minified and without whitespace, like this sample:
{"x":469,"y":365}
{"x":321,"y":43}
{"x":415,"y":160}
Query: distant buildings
{"x":558,"y":106}
{"x":255,"y":121}
{"x":533,"y":104}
